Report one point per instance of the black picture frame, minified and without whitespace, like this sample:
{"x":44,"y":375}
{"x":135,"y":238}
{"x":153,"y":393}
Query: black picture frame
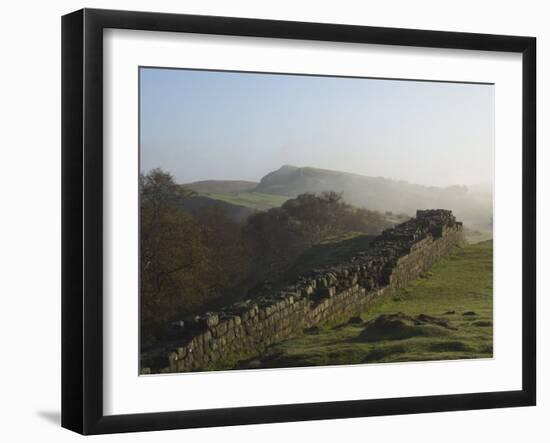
{"x":82,"y":219}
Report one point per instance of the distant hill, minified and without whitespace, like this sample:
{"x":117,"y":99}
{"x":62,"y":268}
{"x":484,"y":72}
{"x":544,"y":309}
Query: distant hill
{"x":220,"y":186}
{"x":241,"y":198}
{"x":378,"y":193}
{"x":235,"y":192}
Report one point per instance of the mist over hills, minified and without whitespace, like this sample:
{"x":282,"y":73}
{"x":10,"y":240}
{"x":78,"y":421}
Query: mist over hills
{"x":378,"y":193}
{"x":473,"y":206}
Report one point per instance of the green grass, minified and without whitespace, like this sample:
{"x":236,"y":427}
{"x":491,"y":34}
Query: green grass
{"x":249,"y":199}
{"x":432,"y":325}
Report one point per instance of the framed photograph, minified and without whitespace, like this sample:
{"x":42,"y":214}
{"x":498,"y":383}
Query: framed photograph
{"x":268,"y":221}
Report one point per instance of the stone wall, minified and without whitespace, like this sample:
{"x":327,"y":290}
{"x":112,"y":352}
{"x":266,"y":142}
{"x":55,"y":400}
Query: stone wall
{"x":393,"y":259}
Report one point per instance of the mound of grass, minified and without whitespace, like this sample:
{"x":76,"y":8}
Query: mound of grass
{"x":423,"y":321}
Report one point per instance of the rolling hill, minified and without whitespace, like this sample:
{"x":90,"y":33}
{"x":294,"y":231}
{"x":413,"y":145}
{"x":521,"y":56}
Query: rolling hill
{"x":249,"y":199}
{"x":220,"y":186}
{"x":378,"y":193}
{"x":395,"y":198}
{"x":238,"y":193}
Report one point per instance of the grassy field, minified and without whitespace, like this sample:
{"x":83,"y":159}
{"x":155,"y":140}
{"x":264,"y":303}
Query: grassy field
{"x":249,"y":199}
{"x":447,"y":314}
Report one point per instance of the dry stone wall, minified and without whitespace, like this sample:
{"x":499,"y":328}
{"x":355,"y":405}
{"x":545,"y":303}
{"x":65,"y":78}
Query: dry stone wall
{"x":393,"y":259}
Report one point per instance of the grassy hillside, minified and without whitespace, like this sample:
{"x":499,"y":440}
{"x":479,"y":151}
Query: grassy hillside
{"x":249,"y":199}
{"x":445,"y":315}
{"x":223,"y":186}
{"x":378,"y":193}
{"x":398,"y":198}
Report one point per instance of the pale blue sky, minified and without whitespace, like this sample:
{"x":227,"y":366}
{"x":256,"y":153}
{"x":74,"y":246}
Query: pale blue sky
{"x":202,"y":125}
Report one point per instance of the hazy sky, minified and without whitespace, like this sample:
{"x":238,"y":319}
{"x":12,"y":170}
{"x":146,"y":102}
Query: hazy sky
{"x":202,"y":125}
